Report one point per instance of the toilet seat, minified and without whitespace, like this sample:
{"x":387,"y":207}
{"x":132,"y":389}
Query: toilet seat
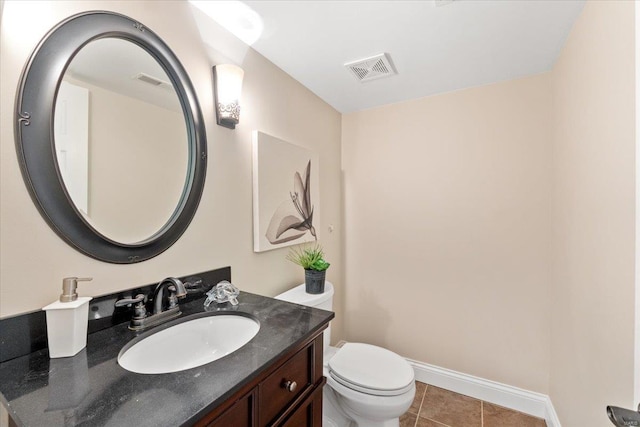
{"x":372,"y":370}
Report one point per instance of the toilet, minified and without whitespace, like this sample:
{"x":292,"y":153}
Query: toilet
{"x":367,"y":386}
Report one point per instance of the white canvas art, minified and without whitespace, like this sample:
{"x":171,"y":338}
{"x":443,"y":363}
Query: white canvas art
{"x":285,"y":193}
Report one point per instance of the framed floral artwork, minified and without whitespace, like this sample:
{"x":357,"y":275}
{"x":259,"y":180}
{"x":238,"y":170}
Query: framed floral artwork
{"x":285,"y":193}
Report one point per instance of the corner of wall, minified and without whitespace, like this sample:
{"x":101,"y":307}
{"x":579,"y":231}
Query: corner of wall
{"x":637,"y":270}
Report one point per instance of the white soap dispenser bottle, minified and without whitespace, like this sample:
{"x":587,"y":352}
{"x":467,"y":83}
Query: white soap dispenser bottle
{"x":67,"y":320}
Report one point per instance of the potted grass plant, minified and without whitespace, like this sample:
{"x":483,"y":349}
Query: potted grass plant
{"x":315,"y":267}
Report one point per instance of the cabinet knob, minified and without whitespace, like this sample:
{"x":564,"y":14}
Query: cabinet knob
{"x":290,"y":385}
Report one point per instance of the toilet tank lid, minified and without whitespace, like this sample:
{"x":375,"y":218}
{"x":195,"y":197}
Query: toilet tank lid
{"x":298,"y":295}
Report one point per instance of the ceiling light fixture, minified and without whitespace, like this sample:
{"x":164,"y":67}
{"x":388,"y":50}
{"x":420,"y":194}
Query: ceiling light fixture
{"x":227,"y":86}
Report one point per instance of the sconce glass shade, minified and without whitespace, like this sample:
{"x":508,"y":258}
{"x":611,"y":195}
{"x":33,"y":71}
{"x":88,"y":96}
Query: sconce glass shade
{"x":227,"y":80}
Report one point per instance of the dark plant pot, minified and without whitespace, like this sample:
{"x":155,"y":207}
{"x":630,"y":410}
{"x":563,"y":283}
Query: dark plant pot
{"x":314,"y":281}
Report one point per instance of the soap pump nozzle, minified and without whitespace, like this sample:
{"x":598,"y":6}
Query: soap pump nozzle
{"x":69,"y":287}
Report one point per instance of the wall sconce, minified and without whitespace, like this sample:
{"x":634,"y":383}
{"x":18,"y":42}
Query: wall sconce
{"x":227,"y":81}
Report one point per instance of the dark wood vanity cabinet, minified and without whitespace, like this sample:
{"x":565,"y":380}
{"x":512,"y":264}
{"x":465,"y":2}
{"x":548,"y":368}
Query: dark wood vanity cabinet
{"x":288,"y":393}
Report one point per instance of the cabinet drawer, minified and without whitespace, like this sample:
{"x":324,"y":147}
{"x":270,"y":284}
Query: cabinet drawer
{"x":309,"y":413}
{"x":277,"y":391}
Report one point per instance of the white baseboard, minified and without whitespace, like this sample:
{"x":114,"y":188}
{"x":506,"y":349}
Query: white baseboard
{"x":529,"y":402}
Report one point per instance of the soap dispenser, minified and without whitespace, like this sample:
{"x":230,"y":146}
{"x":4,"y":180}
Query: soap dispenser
{"x":67,"y":320}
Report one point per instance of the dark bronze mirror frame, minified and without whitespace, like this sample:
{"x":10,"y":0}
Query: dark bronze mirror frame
{"x":34,"y":120}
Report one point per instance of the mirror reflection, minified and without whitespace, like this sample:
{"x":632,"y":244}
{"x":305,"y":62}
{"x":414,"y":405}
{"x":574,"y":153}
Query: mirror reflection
{"x":121,"y":140}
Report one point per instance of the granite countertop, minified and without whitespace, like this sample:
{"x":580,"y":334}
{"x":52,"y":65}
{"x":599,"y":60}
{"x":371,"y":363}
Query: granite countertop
{"x":91,"y":389}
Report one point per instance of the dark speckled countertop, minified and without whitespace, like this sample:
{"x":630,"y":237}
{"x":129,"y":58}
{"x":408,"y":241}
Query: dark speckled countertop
{"x":91,"y":389}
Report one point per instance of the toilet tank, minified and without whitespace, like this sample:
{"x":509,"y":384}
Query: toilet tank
{"x":323,"y":301}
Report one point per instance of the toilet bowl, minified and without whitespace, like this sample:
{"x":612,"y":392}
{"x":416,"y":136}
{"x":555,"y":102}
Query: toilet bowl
{"x":366,"y":385}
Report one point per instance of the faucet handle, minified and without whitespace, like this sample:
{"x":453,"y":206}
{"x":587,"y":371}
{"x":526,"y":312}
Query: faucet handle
{"x":139,"y":310}
{"x":194,"y":284}
{"x":139,"y":299}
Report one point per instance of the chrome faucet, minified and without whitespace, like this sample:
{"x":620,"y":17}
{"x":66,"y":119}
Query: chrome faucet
{"x":141,"y":319}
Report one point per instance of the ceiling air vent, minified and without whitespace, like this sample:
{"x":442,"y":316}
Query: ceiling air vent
{"x":372,"y":68}
{"x":154,"y":81}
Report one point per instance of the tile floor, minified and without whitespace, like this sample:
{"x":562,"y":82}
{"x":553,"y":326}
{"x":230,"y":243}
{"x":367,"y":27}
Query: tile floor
{"x":436,"y":407}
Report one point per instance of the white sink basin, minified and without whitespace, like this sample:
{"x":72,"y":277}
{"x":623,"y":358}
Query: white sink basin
{"x":188,"y":344}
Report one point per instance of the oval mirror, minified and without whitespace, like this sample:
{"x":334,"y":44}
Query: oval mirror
{"x":110,"y":137}
{"x":115,"y":105}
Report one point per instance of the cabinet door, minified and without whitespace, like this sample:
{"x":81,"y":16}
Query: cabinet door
{"x":241,"y":414}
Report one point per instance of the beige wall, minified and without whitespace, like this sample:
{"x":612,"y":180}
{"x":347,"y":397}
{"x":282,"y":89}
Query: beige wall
{"x":446,"y":229}
{"x":592,"y":294}
{"x":34,"y":259}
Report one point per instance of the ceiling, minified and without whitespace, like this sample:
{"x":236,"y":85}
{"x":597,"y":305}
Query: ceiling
{"x":435,"y":49}
{"x":115,"y":64}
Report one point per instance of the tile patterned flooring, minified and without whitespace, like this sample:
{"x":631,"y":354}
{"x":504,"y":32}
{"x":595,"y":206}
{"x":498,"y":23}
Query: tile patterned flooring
{"x":437,"y":407}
